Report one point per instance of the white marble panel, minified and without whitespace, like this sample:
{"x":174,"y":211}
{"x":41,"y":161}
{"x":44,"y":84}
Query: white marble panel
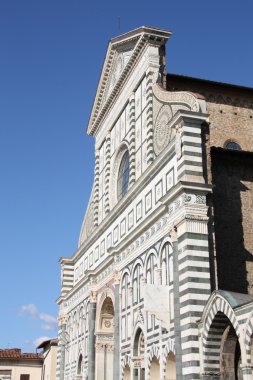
{"x":117,"y":134}
{"x":112,"y":140}
{"x":144,"y":126}
{"x":138,"y":164}
{"x":144,"y":156}
{"x":127,"y":118}
{"x":123,"y":125}
{"x":138,"y":133}
{"x":144,"y":93}
{"x":138,"y":102}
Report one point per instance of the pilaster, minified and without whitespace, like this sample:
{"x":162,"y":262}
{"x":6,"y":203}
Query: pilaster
{"x":96,"y":188}
{"x":116,"y":353}
{"x":92,"y":338}
{"x":107,"y":172}
{"x":150,"y":125}
{"x":132,"y":141}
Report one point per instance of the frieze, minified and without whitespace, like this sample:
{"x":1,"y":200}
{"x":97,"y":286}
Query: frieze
{"x":143,"y":238}
{"x":104,"y":338}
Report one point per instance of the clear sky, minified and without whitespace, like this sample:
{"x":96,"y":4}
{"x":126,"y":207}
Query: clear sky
{"x":51,"y":57}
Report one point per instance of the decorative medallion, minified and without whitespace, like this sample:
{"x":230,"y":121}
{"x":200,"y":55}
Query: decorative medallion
{"x":162,"y":133}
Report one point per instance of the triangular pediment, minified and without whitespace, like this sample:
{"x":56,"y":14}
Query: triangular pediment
{"x":122,"y":53}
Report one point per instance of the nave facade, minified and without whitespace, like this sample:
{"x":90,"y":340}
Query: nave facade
{"x":140,"y":298}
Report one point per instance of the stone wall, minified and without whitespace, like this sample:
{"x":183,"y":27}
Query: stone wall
{"x":230,"y":110}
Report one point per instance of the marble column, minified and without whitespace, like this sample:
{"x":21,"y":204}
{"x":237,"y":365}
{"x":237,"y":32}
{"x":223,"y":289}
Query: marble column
{"x":92,"y":338}
{"x":62,"y":341}
{"x":177,"y":326}
{"x":116,"y":352}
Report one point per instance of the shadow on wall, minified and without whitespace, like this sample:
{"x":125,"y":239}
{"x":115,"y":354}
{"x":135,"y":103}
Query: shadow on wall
{"x":232,"y":177}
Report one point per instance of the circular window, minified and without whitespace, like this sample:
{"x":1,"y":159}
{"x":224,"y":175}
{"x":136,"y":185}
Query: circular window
{"x":123,"y":175}
{"x":233,"y":145}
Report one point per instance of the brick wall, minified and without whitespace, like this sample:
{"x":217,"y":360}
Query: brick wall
{"x":230,"y":110}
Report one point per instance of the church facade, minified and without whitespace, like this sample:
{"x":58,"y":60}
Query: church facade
{"x":160,"y":286}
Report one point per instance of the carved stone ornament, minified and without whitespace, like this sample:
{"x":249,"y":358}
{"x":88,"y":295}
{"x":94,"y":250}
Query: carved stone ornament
{"x":186,"y":99}
{"x":162,"y":133}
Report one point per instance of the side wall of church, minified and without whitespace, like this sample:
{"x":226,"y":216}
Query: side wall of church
{"x":230,"y":112}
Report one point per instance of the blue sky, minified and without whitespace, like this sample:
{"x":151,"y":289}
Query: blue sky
{"x":51,"y":57}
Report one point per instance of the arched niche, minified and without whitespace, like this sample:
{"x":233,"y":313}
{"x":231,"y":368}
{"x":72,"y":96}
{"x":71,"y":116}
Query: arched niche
{"x":154,"y":373}
{"x":127,"y":373}
{"x":170,"y":369}
{"x":138,"y":355}
{"x":105,"y":341}
{"x":106,"y":316}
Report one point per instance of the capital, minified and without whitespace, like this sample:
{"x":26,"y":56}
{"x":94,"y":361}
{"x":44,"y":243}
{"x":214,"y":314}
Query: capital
{"x":62,"y":319}
{"x":93,"y":296}
{"x":117,"y":276}
{"x":173,"y":234}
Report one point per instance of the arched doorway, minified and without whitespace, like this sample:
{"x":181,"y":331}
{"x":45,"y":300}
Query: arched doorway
{"x":170,"y":370}
{"x":127,"y":373}
{"x":104,"y":341}
{"x":230,"y":355}
{"x":155,"y":369}
{"x":222,"y":349}
{"x":138,"y":356}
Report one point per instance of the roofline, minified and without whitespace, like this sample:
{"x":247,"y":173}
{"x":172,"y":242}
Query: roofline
{"x":164,"y":33}
{"x":141,"y":35}
{"x":209,"y":81}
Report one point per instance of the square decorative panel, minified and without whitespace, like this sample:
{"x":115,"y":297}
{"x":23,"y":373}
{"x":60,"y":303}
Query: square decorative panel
{"x":102,"y":249}
{"x":85,"y":264}
{"x":170,"y":181}
{"x":158,"y":191}
{"x":130,"y":219}
{"x":148,"y":201}
{"x":115,"y":234}
{"x":109,"y":241}
{"x":96,"y":253}
{"x":123,"y":227}
{"x":90,"y":259}
{"x":81,"y":270}
{"x":139,"y":211}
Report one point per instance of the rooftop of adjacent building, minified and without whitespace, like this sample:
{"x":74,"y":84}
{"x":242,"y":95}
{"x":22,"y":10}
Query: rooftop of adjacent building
{"x":15,"y":353}
{"x":48,"y":343}
{"x":182,"y":82}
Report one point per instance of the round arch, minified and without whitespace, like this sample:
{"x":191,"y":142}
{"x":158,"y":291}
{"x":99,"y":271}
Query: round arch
{"x":122,"y":149}
{"x":154,"y":369}
{"x":248,"y":338}
{"x":221,"y":332}
{"x":151,"y":251}
{"x":108,"y":293}
{"x":166,"y":240}
{"x":137,"y":262}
